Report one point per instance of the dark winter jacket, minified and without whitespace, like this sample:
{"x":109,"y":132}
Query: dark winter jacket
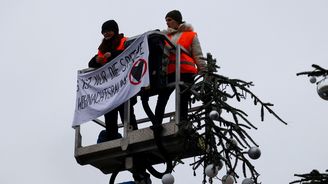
{"x":113,"y":45}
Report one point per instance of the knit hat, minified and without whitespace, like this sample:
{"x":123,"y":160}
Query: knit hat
{"x":109,"y":25}
{"x":175,"y":15}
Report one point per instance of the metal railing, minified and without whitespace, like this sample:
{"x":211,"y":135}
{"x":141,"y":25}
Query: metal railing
{"x":126,"y":120}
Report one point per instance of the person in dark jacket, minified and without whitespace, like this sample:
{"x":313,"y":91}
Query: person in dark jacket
{"x":111,"y":46}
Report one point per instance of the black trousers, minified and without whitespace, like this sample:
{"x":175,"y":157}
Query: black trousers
{"x":164,"y":95}
{"x":112,"y":116}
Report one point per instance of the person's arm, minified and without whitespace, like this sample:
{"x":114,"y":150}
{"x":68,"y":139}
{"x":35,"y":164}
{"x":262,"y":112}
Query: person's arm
{"x":112,"y":54}
{"x":102,"y":57}
{"x":93,"y":62}
{"x":197,"y":55}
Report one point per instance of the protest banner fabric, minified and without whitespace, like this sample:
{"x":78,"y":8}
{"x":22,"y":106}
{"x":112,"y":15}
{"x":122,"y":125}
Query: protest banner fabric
{"x":105,"y":88}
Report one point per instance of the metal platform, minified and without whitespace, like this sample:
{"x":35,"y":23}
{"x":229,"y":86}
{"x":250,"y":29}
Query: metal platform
{"x":117,"y":154}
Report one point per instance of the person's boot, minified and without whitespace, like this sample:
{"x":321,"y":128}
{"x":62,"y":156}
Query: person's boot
{"x":115,"y":136}
{"x":103,"y":137}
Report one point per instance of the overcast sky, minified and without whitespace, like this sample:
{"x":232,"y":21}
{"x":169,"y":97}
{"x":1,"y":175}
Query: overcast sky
{"x":43,"y":43}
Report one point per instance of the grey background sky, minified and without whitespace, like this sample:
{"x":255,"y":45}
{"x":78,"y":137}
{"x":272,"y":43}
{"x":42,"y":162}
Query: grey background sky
{"x":43,"y":43}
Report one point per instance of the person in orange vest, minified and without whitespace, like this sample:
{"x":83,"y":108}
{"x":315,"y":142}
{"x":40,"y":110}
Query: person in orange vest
{"x":191,"y":64}
{"x":111,"y":46}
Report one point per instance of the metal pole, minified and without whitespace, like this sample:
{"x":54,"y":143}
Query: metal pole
{"x":125,"y":139}
{"x":126,"y":118}
{"x":78,"y":138}
{"x":177,"y":84}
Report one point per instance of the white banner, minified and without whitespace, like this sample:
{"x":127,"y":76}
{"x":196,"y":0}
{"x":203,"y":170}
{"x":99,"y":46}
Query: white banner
{"x":104,"y":89}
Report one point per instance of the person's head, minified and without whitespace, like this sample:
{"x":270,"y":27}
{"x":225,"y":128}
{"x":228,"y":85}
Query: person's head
{"x":173,"y":19}
{"x":109,"y":29}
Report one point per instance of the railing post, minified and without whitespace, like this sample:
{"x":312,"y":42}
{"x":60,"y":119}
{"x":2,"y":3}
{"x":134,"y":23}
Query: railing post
{"x":177,"y":84}
{"x":126,"y":118}
{"x":78,"y":139}
{"x":126,"y":130}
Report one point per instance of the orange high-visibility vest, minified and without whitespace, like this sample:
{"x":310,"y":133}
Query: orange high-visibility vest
{"x":119,"y":48}
{"x":187,"y":63}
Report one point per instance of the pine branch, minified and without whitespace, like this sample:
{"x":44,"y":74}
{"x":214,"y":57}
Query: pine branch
{"x":318,"y":71}
{"x":223,"y":139}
